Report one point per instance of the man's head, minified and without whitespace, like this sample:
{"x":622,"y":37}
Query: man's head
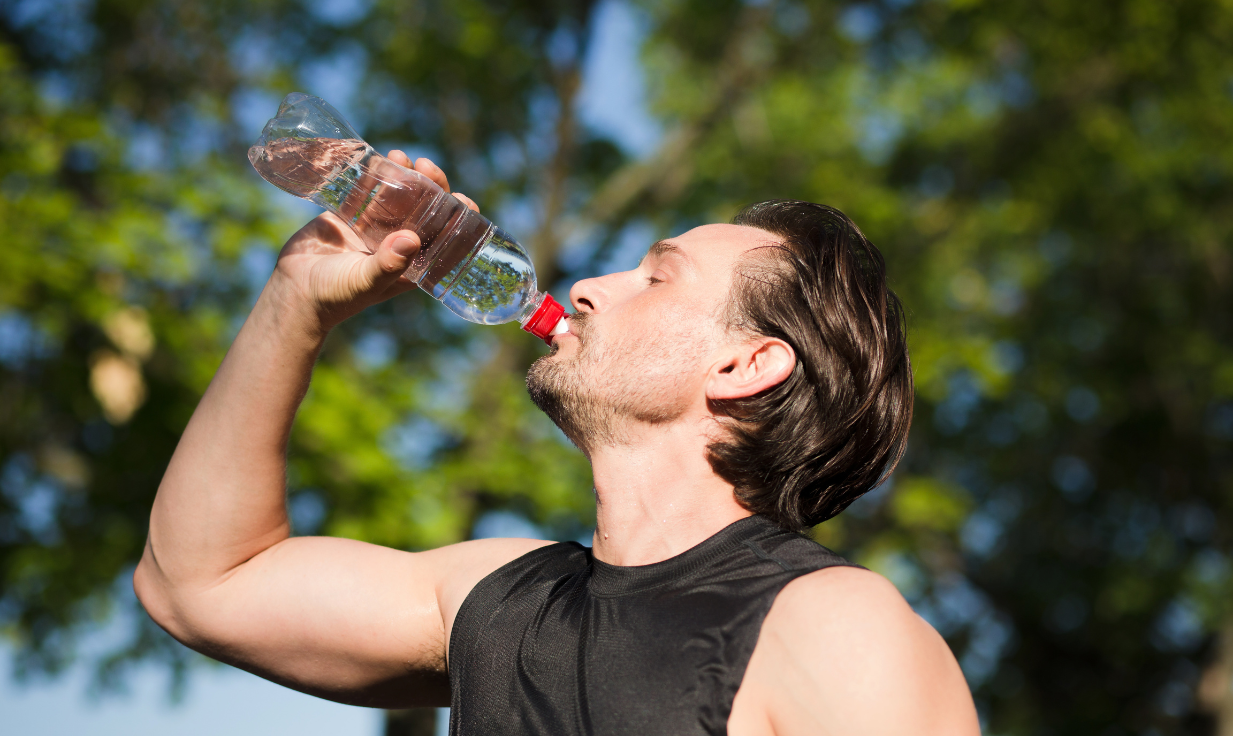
{"x":777,"y":330}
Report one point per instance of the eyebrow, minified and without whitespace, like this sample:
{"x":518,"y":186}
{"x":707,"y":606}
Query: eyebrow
{"x":661,"y":248}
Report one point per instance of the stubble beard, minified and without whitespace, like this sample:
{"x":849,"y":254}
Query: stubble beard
{"x":600,"y":393}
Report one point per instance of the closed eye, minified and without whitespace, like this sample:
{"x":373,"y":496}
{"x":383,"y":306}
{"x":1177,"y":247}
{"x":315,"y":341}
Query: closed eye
{"x":652,"y":280}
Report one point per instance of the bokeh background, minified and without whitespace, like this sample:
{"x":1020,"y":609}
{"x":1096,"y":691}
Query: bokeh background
{"x":1051,"y":182}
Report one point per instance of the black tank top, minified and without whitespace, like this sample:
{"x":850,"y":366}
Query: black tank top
{"x":558,"y":643}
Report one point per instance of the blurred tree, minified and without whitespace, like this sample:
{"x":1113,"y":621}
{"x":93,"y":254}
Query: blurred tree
{"x":1051,"y":183}
{"x":411,"y":722}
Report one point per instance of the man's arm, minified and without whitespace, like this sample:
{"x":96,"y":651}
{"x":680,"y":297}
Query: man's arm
{"x":337,"y":618}
{"x":842,"y":653}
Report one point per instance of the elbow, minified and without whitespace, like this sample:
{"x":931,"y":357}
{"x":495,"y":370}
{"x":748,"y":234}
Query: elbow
{"x":190,"y":616}
{"x":157,"y":596}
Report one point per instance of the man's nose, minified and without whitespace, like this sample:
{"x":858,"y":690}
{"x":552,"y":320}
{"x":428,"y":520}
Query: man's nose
{"x":589,"y":295}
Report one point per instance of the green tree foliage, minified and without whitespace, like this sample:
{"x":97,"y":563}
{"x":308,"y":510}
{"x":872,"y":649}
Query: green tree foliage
{"x":1051,"y":183}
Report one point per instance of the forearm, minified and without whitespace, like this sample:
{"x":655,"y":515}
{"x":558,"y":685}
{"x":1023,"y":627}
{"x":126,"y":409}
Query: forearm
{"x":222,"y":499}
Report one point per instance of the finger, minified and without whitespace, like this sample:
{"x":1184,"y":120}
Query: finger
{"x":393,"y":257}
{"x":399,"y":158}
{"x":432,"y":171}
{"x":467,"y":201}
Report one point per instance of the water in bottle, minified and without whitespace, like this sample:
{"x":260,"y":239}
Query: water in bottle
{"x":473,"y":267}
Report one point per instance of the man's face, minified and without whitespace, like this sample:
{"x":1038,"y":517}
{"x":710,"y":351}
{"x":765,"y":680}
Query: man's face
{"x":640,"y":345}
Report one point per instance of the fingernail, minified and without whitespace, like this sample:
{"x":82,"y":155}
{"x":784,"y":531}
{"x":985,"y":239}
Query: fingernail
{"x":404,"y":246}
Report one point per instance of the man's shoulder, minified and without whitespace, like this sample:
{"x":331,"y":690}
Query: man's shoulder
{"x":460,"y":567}
{"x":842,"y":596}
{"x":841,"y":647}
{"x":831,"y":609}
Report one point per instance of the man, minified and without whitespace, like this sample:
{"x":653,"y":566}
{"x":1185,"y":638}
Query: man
{"x":744,"y":382}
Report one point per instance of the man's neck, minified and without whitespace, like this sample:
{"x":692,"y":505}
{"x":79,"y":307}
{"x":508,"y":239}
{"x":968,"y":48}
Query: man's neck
{"x":657,"y":496}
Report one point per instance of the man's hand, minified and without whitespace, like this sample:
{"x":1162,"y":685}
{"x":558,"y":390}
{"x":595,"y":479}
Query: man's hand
{"x":326,"y":274}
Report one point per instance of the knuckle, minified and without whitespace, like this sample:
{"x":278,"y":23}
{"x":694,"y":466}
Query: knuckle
{"x":390,"y":266}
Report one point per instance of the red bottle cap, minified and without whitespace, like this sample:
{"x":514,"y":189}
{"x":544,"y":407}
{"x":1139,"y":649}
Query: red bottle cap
{"x":545,"y":318}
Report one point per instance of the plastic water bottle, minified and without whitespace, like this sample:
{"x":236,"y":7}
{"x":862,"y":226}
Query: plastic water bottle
{"x":473,"y":267}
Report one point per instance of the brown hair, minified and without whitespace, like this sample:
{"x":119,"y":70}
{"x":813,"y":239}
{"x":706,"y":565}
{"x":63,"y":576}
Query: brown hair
{"x":803,"y":450}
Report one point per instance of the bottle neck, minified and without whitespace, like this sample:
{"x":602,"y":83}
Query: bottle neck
{"x":544,"y":317}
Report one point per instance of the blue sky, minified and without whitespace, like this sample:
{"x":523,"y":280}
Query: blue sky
{"x":221,"y":700}
{"x":612,"y":100}
{"x":226,"y":700}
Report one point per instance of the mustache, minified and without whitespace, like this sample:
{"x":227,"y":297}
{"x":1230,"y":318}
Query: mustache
{"x":579,"y":323}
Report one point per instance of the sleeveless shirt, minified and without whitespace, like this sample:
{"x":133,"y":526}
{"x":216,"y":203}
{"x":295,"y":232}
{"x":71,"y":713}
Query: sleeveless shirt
{"x":558,"y":643}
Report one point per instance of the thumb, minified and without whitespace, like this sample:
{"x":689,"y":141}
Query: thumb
{"x":392,"y":258}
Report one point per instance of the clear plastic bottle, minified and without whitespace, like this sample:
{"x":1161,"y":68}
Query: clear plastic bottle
{"x":473,"y":267}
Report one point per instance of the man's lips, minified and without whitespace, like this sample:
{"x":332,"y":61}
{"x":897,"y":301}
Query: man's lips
{"x":571,"y":331}
{"x":573,"y":328}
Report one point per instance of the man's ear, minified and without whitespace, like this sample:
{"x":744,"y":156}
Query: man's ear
{"x":750,"y":368}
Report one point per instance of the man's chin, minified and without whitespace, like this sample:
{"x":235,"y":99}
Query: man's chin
{"x":557,"y":393}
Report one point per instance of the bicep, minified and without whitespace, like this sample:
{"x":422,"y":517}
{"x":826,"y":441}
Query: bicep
{"x":340,"y":619}
{"x":846,"y":654}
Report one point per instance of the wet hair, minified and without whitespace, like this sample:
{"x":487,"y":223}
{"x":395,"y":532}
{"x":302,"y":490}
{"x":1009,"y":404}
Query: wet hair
{"x":803,"y":450}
